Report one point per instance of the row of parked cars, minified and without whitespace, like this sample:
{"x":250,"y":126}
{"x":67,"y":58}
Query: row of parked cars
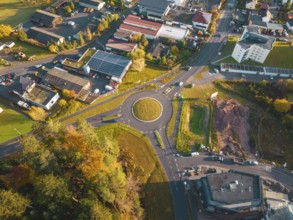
{"x":7,"y":79}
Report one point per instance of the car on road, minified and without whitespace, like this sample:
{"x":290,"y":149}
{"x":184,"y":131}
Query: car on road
{"x":38,"y":65}
{"x":218,"y":158}
{"x":180,"y":84}
{"x":252,"y":162}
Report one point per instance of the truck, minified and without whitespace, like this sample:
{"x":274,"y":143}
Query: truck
{"x":111,"y":118}
{"x":23,"y":104}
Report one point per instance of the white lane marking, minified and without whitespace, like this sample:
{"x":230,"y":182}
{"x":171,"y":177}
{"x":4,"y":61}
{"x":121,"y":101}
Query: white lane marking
{"x":175,"y":159}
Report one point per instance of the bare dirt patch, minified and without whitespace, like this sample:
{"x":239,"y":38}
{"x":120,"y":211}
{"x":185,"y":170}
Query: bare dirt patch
{"x":231,"y":124}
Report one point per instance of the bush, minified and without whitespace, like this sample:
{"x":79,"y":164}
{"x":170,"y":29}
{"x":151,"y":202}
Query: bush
{"x":37,"y":113}
{"x":282,"y":105}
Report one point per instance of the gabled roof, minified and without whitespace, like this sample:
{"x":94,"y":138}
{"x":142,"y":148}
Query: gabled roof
{"x":136,"y":24}
{"x":91,"y":2}
{"x":202,"y":17}
{"x":121,"y":45}
{"x":45,"y":17}
{"x":64,"y":80}
{"x":42,"y":35}
{"x":158,"y":6}
{"x":22,"y":85}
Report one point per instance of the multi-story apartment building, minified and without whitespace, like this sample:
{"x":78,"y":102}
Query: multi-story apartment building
{"x":253,"y":46}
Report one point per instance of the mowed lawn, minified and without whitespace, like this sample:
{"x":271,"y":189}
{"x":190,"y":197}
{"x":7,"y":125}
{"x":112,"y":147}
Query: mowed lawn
{"x":14,"y":12}
{"x":196,"y":120}
{"x":157,"y":200}
{"x":12,"y":122}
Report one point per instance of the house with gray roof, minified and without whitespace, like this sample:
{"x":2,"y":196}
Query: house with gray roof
{"x":46,"y":19}
{"x":154,"y":9}
{"x":253,"y":46}
{"x":43,"y":36}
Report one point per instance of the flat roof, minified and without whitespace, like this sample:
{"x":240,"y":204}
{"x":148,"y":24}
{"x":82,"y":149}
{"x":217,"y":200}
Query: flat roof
{"x":122,"y":34}
{"x":233,"y":190}
{"x":158,"y":6}
{"x":40,"y":94}
{"x":109,"y":63}
{"x":121,"y":45}
{"x":173,"y":32}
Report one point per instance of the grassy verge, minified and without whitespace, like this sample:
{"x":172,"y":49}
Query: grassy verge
{"x":99,"y":109}
{"x":133,"y":79}
{"x":167,"y":79}
{"x":156,"y":193}
{"x":171,"y":124}
{"x":199,"y":76}
{"x":159,"y":139}
{"x":12,"y":124}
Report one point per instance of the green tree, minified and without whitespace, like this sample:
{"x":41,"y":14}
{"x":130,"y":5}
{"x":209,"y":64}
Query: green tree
{"x":53,"y":48}
{"x":138,"y":64}
{"x":149,"y":56}
{"x":181,"y":44}
{"x":62,"y":103}
{"x":174,"y":50}
{"x":164,"y":60}
{"x":288,"y":5}
{"x":12,"y":205}
{"x":22,"y":35}
{"x":282,"y":105}
{"x":52,"y":195}
{"x":5,"y":30}
{"x":67,"y":10}
{"x":71,"y":5}
{"x":81,"y":40}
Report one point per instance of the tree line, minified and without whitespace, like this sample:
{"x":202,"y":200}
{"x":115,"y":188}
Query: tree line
{"x":68,"y":173}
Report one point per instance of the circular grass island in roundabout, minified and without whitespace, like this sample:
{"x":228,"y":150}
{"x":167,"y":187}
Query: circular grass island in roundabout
{"x":147,"y":109}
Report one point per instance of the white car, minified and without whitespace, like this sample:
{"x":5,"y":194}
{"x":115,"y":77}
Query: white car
{"x":252,"y":162}
{"x":38,"y":65}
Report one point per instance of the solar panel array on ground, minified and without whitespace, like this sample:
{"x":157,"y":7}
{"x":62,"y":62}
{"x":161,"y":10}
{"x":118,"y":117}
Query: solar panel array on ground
{"x":108,"y":63}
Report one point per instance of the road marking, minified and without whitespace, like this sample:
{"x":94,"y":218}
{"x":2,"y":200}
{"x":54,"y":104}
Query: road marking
{"x":178,"y":171}
{"x":175,"y":159}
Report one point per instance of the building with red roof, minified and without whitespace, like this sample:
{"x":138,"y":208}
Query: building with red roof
{"x":135,"y":24}
{"x":201,"y":20}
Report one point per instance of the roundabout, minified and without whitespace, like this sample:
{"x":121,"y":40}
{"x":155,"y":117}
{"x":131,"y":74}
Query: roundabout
{"x":147,"y":109}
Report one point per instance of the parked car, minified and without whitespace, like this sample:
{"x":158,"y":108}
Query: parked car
{"x":38,"y":65}
{"x":252,"y":162}
{"x":23,"y":104}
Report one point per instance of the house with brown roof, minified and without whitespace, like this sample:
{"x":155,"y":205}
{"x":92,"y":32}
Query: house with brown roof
{"x":46,"y":19}
{"x":201,"y":20}
{"x":61,"y":79}
{"x":123,"y":35}
{"x":135,"y":24}
{"x":120,"y":45}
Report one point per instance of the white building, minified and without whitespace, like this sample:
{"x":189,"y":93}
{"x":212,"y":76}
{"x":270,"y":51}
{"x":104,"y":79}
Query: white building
{"x":250,"y":4}
{"x":289,"y":25}
{"x":201,"y":20}
{"x":253,"y":46}
{"x":95,"y":4}
{"x":173,"y":32}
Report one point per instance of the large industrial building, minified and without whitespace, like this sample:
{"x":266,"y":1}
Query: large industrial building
{"x":231,"y":192}
{"x":108,"y":64}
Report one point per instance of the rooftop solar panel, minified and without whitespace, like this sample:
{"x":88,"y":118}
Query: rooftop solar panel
{"x":108,"y":63}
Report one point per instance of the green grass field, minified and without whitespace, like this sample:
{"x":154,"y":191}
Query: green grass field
{"x":171,"y":124}
{"x":147,"y":109}
{"x":11,"y":123}
{"x":133,"y":79}
{"x":14,"y":12}
{"x":281,"y":56}
{"x":157,"y":200}
{"x":196,"y":122}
